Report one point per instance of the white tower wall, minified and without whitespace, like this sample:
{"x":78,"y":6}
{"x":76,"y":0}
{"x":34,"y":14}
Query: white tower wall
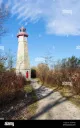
{"x":23,"y":64}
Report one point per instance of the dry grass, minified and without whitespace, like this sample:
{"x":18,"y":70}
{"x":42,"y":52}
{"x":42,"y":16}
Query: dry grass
{"x":28,"y":111}
{"x":74,"y":98}
{"x":67,"y":92}
{"x":58,"y":76}
{"x":10,"y":86}
{"x":21,"y":109}
{"x":54,"y":78}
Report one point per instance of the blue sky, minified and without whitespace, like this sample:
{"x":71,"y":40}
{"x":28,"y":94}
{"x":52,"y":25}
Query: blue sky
{"x":53,"y":27}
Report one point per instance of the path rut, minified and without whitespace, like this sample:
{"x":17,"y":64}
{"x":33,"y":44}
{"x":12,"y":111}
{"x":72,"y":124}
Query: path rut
{"x":53,"y":106}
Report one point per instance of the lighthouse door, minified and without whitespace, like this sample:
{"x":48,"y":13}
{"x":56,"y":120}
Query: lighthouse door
{"x":27,"y":74}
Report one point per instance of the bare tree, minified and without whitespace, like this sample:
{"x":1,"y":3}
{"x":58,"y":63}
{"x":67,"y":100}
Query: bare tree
{"x":42,"y":72}
{"x":10,"y":60}
{"x":4,"y":14}
{"x":49,"y":60}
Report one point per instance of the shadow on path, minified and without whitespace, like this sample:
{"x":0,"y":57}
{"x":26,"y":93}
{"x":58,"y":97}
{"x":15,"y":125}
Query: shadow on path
{"x":48,"y":107}
{"x":27,"y":101}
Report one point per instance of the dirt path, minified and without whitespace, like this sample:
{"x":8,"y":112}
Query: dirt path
{"x":52,"y":105}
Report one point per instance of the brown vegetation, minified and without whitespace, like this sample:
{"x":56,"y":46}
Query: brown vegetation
{"x":10,"y":86}
{"x":68,"y":70}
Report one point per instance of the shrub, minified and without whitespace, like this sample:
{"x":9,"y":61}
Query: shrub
{"x":76,"y":81}
{"x":42,"y":72}
{"x":10,"y":86}
{"x":2,"y":68}
{"x":66,"y":71}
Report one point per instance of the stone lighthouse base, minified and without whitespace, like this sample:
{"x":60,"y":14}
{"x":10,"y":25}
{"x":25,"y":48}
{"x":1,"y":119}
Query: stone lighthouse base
{"x":26,"y":73}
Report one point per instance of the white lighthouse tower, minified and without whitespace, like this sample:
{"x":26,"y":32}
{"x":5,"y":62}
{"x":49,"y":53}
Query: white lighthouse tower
{"x":23,"y":65}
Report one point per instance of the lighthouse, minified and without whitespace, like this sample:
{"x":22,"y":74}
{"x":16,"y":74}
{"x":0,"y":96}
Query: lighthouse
{"x":23,"y":64}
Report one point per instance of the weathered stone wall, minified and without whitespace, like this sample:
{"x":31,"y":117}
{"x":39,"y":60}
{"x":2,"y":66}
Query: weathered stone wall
{"x":23,"y":64}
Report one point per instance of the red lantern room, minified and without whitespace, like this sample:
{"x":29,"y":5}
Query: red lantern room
{"x":22,"y":32}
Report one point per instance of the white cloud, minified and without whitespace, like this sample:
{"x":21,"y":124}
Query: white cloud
{"x":39,"y":59}
{"x":61,"y":16}
{"x":78,"y":47}
{"x":65,"y":11}
{"x":1,"y":2}
{"x":2,"y":48}
{"x":26,"y":23}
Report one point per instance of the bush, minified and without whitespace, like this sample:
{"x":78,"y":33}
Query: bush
{"x":10,"y":86}
{"x":76,"y":81}
{"x":66,"y":71}
{"x":2,"y":68}
{"x":42,"y":72}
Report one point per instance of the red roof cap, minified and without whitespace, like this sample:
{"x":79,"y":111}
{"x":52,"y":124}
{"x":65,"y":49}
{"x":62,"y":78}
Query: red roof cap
{"x":22,"y":32}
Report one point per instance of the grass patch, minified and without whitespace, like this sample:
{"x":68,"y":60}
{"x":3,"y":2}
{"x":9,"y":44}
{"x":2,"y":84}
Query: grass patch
{"x":28,"y":89}
{"x":74,"y":98}
{"x":67,"y":92}
{"x":23,"y":108}
{"x":29,"y":110}
{"x":32,"y":110}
